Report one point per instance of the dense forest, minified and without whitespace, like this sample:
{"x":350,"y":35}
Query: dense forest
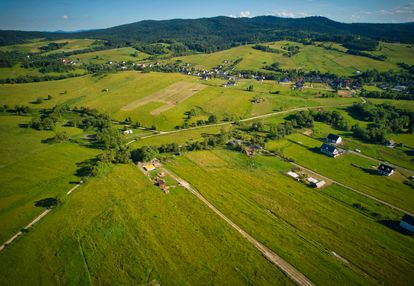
{"x":212,"y":34}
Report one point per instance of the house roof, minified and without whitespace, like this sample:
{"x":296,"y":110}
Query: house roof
{"x":408,"y":219}
{"x":333,"y":137}
{"x":386,"y":168}
{"x":149,"y":167}
{"x":329,"y":148}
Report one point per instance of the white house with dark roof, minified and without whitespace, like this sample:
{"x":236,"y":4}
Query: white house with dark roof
{"x":407,"y":223}
{"x":333,"y":139}
{"x":385,"y":170}
{"x":330,"y":150}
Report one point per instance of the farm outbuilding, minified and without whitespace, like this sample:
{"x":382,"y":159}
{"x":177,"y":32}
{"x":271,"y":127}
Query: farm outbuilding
{"x":149,"y":167}
{"x":293,"y":175}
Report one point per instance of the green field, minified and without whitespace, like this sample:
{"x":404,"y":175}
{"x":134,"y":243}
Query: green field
{"x":305,"y":151}
{"x":33,"y":46}
{"x":122,"y":230}
{"x":113,"y":55}
{"x":118,"y":228}
{"x":32,"y":171}
{"x":18,"y":71}
{"x":127,"y":87}
{"x":301,"y":224}
{"x":310,"y":57}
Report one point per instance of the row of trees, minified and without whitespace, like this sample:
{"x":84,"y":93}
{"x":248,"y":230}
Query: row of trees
{"x":266,"y":49}
{"x":385,"y":116}
{"x":147,"y":153}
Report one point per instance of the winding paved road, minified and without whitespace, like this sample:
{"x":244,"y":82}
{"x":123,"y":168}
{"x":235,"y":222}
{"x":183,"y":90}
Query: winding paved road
{"x":161,"y":133}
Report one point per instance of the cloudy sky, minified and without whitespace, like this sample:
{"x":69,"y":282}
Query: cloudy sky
{"x":69,"y":15}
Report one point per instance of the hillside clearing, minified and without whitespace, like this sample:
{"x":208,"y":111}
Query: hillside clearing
{"x":170,"y":96}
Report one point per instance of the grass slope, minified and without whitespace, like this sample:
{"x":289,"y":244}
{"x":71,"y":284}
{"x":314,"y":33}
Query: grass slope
{"x":310,"y":57}
{"x":31,"y":171}
{"x":121,"y":230}
{"x":300,"y":224}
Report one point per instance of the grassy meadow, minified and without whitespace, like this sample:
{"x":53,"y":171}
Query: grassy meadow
{"x":305,"y":151}
{"x":127,"y":87}
{"x":113,"y":55}
{"x":303,"y":225}
{"x":120,"y":229}
{"x":34,"y":45}
{"x":31,"y":170}
{"x":310,"y":57}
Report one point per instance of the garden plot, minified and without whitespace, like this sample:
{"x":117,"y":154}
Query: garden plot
{"x":169,"y":96}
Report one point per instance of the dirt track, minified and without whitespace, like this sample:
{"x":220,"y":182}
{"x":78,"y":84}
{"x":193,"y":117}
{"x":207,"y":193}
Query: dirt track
{"x":283,"y":265}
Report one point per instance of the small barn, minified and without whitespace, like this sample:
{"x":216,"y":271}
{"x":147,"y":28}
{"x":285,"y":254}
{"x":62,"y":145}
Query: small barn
{"x":407,"y":223}
{"x":333,"y":139}
{"x":293,"y":175}
{"x":316,"y":183}
{"x":330,"y":150}
{"x":385,"y":170}
{"x":149,"y":167}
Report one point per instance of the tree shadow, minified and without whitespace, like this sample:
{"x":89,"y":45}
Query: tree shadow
{"x":85,"y":168}
{"x":50,"y":140}
{"x":395,"y":225}
{"x":47,"y":203}
{"x":370,"y":171}
{"x":24,"y":125}
{"x":409,"y":152}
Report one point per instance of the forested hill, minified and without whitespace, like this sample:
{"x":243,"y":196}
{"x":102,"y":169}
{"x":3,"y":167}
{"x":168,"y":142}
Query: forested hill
{"x":209,"y":34}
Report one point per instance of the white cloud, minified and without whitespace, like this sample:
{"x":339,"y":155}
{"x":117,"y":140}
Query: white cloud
{"x":405,"y":9}
{"x":289,"y":14}
{"x":65,"y":17}
{"x":245,"y":14}
{"x":396,"y":14}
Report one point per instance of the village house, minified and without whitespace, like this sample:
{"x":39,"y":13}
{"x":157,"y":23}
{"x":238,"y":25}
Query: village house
{"x":407,"y":223}
{"x":385,"y":170}
{"x":149,"y":167}
{"x":333,"y":139}
{"x":330,"y":150}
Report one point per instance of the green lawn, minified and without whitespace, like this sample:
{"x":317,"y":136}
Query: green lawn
{"x":299,"y":223}
{"x":31,"y":171}
{"x":121,"y":230}
{"x":305,"y":151}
